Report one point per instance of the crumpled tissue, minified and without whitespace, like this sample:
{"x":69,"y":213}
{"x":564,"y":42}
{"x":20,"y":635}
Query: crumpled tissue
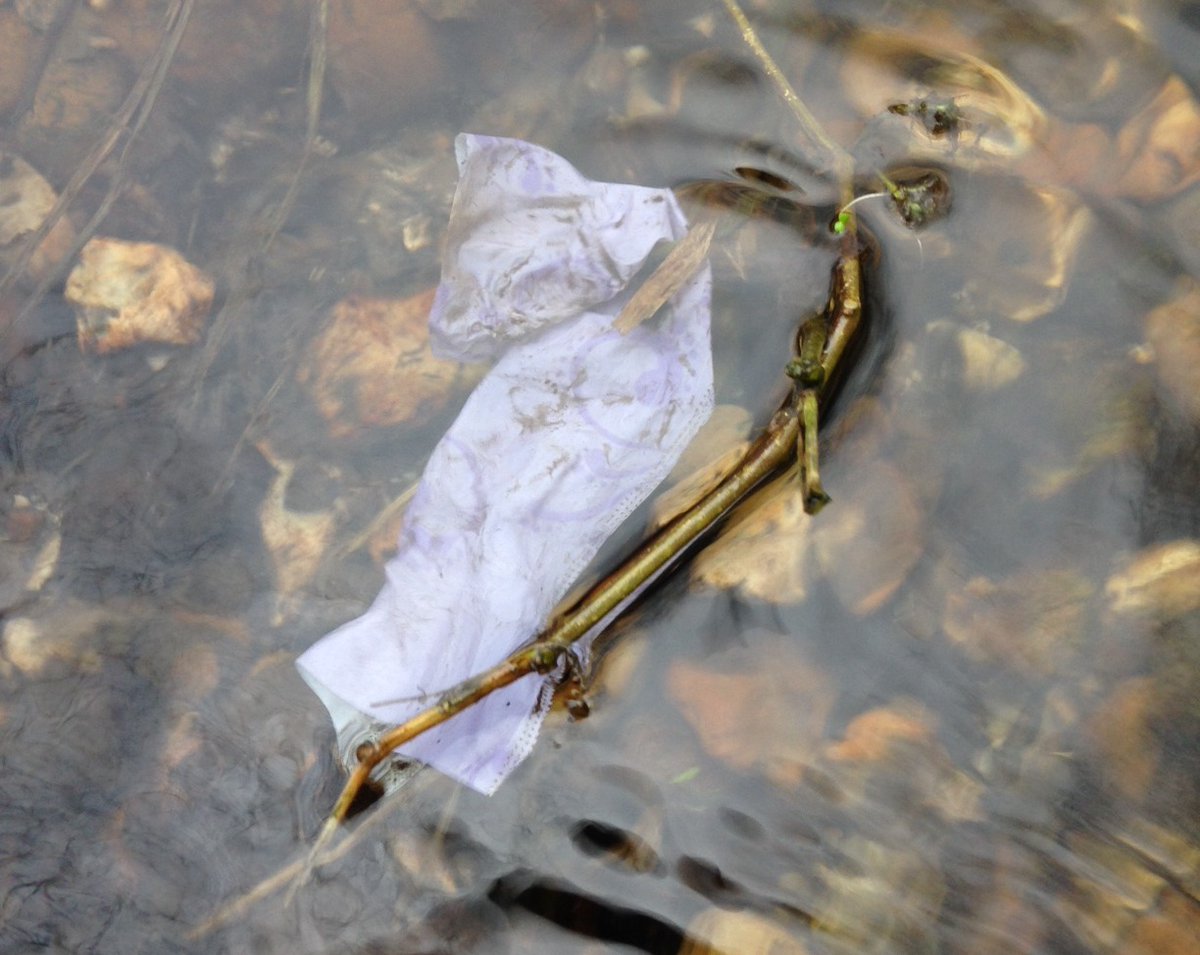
{"x":573,"y":427}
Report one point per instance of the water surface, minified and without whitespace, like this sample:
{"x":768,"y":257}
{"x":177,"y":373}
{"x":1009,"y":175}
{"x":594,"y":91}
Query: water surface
{"x":948,"y":714}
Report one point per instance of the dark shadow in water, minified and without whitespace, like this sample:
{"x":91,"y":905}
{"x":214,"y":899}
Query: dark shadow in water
{"x":560,"y":902}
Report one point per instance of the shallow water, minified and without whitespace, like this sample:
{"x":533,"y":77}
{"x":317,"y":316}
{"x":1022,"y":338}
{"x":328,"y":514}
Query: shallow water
{"x":948,"y":714}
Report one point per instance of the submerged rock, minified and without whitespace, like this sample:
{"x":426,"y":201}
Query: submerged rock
{"x":769,"y":716}
{"x":129,"y":293}
{"x":296,"y":540}
{"x":26,"y":199}
{"x":717,"y":931}
{"x":385,"y":59}
{"x":1161,"y":581}
{"x":1173,"y":331}
{"x":373,"y":367}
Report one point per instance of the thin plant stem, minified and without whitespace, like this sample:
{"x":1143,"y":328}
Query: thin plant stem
{"x":835,"y":157}
{"x":815,"y":497}
{"x":234,"y":309}
{"x":318,"y":32}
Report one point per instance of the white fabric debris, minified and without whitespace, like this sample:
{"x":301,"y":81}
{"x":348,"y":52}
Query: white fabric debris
{"x":570,"y":430}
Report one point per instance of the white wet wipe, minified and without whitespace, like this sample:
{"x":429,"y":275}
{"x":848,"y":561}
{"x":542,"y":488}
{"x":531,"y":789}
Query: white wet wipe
{"x":573,"y":427}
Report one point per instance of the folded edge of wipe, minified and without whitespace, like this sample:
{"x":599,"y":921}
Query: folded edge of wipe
{"x":571,"y":429}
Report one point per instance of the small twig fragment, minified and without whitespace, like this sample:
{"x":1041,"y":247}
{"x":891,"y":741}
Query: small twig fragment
{"x":681,"y":263}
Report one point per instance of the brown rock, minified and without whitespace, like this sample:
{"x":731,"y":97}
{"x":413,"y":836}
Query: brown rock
{"x":1173,"y":330}
{"x":19,"y":48}
{"x":764,"y":550}
{"x":763,"y":705}
{"x":74,"y":104}
{"x":897,"y":746}
{"x":880,"y":895}
{"x":196,"y":672}
{"x":1123,"y":737}
{"x":1160,"y":146}
{"x":1037,"y":233}
{"x":1032,"y":621}
{"x":1086,"y":63}
{"x":870,"y":538}
{"x":1005,"y":918}
{"x":227,"y":42}
{"x":25,"y":200}
{"x":554,"y":34}
{"x":23,"y":522}
{"x":1109,"y":890}
{"x":874,"y":735}
{"x":1077,"y":155}
{"x":1172,"y":930}
{"x":882,"y":68}
{"x":451,"y":9}
{"x":128,"y":293}
{"x":385,"y":59}
{"x":373,"y":366}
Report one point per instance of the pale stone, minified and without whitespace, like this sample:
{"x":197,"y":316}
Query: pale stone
{"x":1173,"y":330}
{"x":1032,"y":621}
{"x":763,"y":550}
{"x":1163,"y":580}
{"x":1161,"y":146}
{"x":30,"y":644}
{"x":129,"y":293}
{"x":26,"y":198}
{"x":296,"y":540}
{"x":717,"y":931}
{"x":988,"y":363}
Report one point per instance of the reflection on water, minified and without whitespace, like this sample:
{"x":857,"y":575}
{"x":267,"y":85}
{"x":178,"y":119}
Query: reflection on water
{"x":955,"y":712}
